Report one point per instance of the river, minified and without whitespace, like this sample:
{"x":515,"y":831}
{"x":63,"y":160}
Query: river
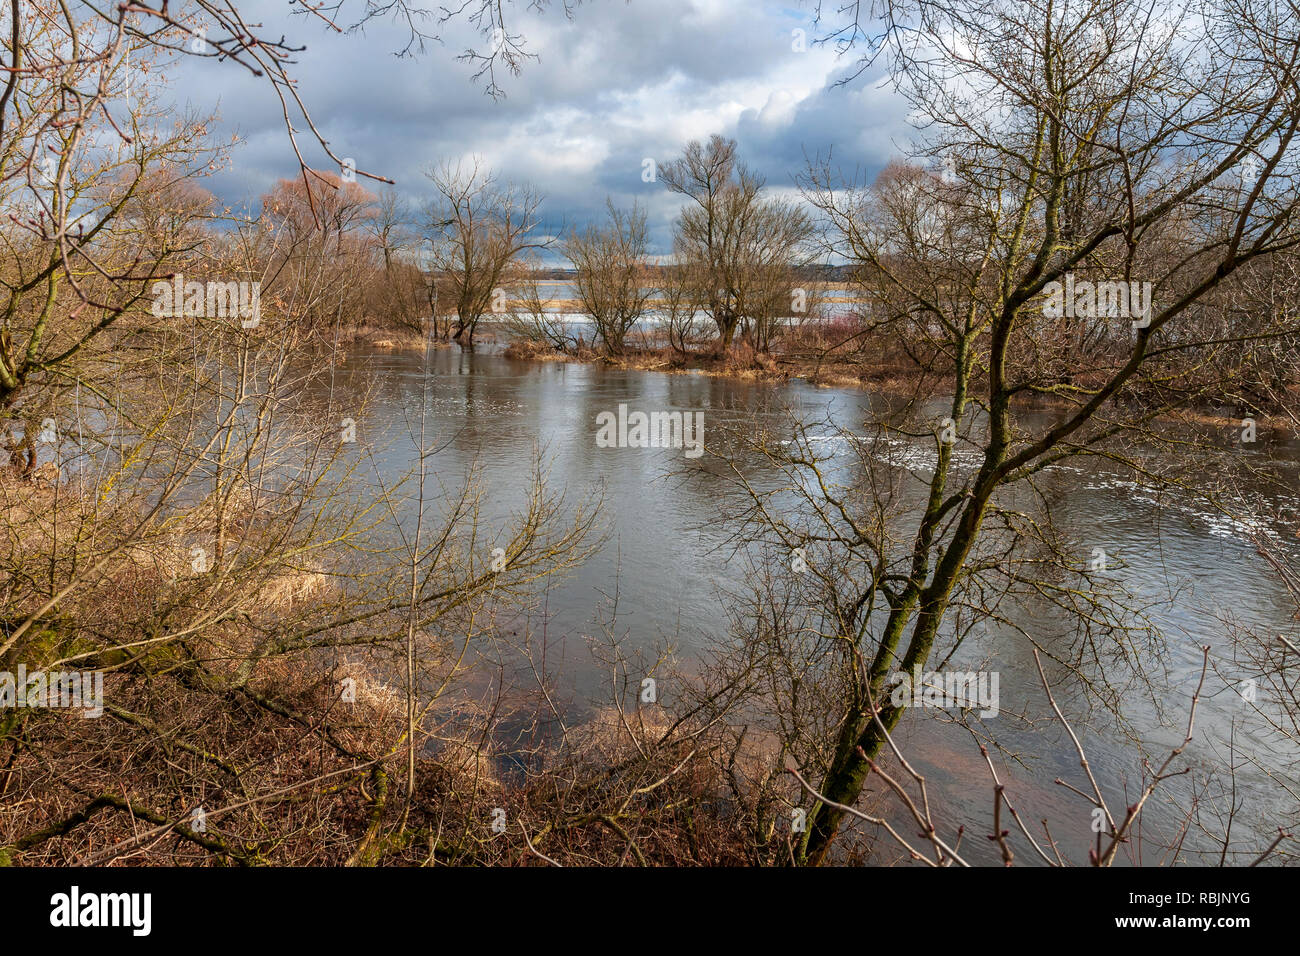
{"x":666,"y":558}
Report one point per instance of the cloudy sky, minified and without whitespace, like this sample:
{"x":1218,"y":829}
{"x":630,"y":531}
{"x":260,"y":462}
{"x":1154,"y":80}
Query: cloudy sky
{"x":618,"y":83}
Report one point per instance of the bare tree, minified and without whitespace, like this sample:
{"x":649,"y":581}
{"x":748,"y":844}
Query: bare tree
{"x":530,"y":319}
{"x":1074,"y":149}
{"x":390,"y":225}
{"x":478,"y":230}
{"x":677,"y":299}
{"x":611,"y":280}
{"x":733,"y":239}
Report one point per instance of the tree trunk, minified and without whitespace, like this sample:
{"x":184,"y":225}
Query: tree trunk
{"x":464,"y":333}
{"x":846,"y":778}
{"x":847,"y":774}
{"x":727,"y":330}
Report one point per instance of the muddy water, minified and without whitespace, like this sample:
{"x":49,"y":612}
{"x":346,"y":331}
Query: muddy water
{"x":667,"y":562}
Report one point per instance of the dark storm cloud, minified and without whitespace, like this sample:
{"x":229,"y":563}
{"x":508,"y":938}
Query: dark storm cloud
{"x":618,"y":84}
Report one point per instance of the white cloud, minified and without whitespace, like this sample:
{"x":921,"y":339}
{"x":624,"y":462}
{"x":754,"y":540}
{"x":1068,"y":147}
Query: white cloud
{"x":618,"y":83}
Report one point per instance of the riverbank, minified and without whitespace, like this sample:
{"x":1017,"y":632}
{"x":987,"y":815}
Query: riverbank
{"x":385,"y":337}
{"x":740,"y":363}
{"x":226,"y":720}
{"x":885,"y":373}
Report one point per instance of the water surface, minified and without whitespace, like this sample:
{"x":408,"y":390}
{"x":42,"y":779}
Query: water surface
{"x":668,"y":563}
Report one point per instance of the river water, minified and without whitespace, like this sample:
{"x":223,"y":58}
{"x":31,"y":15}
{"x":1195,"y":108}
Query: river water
{"x":667,"y":561}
